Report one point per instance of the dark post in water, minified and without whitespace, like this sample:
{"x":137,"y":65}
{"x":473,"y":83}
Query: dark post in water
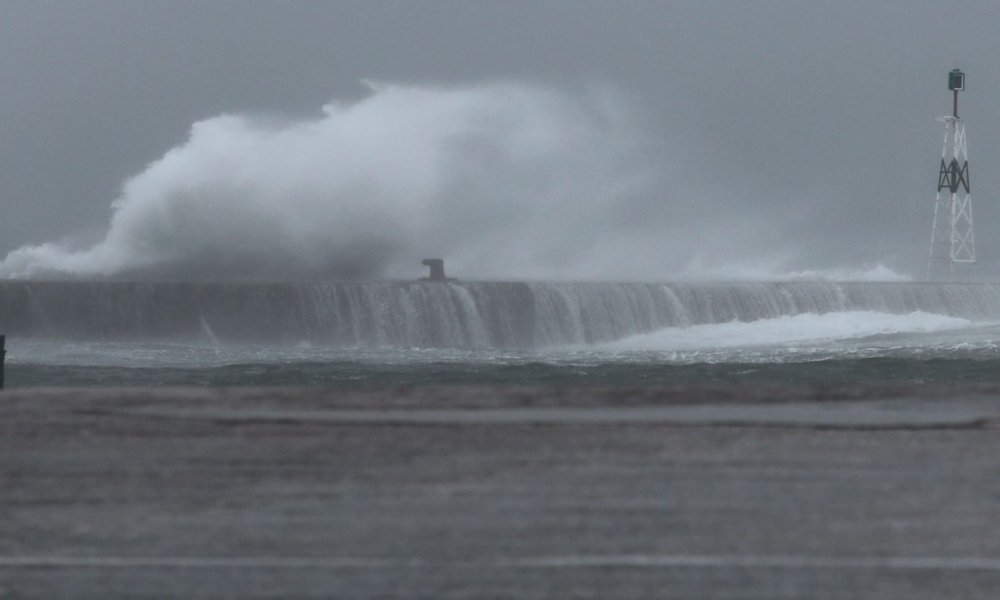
{"x":3,"y":356}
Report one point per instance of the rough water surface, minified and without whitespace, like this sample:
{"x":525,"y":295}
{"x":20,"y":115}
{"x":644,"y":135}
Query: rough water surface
{"x":710,"y":492}
{"x":350,"y":333}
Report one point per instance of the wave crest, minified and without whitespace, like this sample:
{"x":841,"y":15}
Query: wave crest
{"x":792,"y":329}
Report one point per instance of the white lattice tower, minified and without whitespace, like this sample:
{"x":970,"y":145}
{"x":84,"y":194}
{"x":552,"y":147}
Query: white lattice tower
{"x":953,"y":239}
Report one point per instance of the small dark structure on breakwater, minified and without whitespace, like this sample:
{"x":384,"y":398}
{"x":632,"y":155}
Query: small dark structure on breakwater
{"x":437,"y":269}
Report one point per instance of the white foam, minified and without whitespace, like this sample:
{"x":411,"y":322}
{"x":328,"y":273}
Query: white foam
{"x":786,"y":330}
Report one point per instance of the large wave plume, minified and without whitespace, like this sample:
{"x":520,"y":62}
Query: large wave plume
{"x":502,"y":180}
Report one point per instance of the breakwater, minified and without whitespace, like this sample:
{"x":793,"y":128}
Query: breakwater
{"x":451,"y":314}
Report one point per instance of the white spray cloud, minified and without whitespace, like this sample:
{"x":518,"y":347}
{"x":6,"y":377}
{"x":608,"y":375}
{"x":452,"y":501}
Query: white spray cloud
{"x":502,"y":180}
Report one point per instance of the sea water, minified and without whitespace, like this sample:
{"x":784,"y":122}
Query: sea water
{"x":358,"y":334}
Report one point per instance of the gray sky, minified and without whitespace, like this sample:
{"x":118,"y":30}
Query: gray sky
{"x":800,"y":132}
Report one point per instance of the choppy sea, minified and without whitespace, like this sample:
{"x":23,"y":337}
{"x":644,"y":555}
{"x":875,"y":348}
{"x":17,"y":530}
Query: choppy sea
{"x":843,"y":347}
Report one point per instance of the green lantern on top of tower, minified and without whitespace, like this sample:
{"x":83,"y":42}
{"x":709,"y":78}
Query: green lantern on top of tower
{"x":956,"y":80}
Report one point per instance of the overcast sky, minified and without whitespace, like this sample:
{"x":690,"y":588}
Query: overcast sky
{"x":800,"y":132}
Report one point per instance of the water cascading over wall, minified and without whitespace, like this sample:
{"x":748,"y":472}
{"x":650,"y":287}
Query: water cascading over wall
{"x":453,"y":314}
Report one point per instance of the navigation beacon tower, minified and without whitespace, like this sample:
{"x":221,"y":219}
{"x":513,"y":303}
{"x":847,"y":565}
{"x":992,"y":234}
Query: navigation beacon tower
{"x":952,"y":238}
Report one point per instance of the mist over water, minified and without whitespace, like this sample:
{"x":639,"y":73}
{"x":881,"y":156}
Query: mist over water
{"x":502,"y":180}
